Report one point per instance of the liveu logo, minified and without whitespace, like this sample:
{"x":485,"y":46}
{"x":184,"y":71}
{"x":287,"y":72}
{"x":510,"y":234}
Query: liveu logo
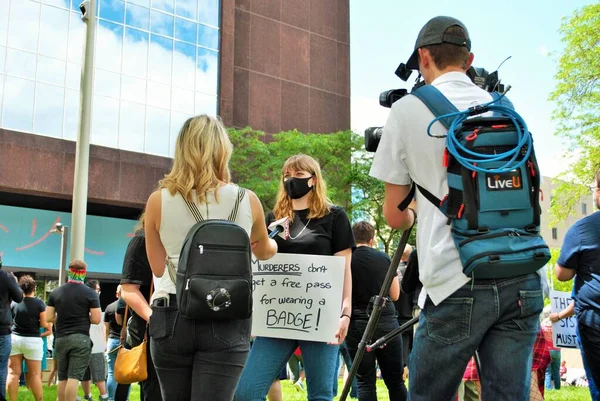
{"x":499,"y":182}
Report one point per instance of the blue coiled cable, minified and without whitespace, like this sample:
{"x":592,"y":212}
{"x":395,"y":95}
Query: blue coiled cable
{"x":455,"y":148}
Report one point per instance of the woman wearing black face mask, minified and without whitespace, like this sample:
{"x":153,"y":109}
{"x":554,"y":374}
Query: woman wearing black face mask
{"x":316,"y":228}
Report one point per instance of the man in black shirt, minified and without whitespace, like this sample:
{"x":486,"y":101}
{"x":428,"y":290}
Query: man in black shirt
{"x":113,"y":333}
{"x":9,"y":292}
{"x":369,"y":268}
{"x":73,"y":306}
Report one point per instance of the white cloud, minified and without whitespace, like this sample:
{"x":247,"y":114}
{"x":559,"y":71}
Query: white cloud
{"x":366,"y":112}
{"x":543,"y":50}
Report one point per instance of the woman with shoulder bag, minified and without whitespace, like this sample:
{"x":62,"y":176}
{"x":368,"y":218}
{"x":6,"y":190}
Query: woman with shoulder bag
{"x":197,"y":359}
{"x":316,"y":228}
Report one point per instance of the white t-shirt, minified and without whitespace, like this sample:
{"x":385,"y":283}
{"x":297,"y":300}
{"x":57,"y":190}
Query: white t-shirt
{"x":98,"y":336}
{"x":405,"y":154}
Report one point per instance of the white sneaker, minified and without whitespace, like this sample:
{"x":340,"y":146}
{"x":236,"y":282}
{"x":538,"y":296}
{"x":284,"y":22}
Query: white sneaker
{"x":299,"y":385}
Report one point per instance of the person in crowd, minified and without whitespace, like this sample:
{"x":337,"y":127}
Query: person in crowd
{"x":347,"y":359}
{"x":540,"y":360}
{"x":405,"y":305}
{"x":580,"y":255}
{"x":73,"y":306}
{"x":113,"y":334}
{"x":316,"y":228}
{"x":198,"y":360}
{"x":9,"y":292}
{"x":369,"y":269}
{"x":136,"y":280}
{"x":54,"y":369}
{"x":96,"y":371}
{"x":296,"y":364}
{"x":459,"y":315}
{"x":29,"y":316}
{"x":553,"y":369}
{"x":470,"y":386}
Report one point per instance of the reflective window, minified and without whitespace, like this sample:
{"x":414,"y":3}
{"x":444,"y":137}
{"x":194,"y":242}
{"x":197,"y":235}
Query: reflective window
{"x":164,"y":5}
{"x":145,"y":3}
{"x":71,"y":124}
{"x":186,"y":8}
{"x":185,"y":30}
{"x":58,"y":3}
{"x":209,"y":12}
{"x":159,"y":95}
{"x":54,"y":32}
{"x":208,"y":37}
{"x":133,"y":89}
{"x":160,"y":59}
{"x":207,"y":71}
{"x":105,"y":121}
{"x":107,"y":83}
{"x":182,"y":100}
{"x":161,"y":24}
{"x":157,"y":131}
{"x":73,"y":76}
{"x":2,"y":62}
{"x":17,"y":113}
{"x":21,"y":64}
{"x":112,"y":10}
{"x":51,"y":70}
{"x":24,"y":25}
{"x":109,"y":42}
{"x":184,"y":60}
{"x":205,"y":104}
{"x":3,"y":22}
{"x":48,"y":119}
{"x":138,"y":17}
{"x":135,"y":53}
{"x":131,"y":126}
{"x":76,"y":38}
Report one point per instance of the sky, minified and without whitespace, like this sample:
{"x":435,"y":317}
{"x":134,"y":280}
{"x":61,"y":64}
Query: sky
{"x":383,"y":34}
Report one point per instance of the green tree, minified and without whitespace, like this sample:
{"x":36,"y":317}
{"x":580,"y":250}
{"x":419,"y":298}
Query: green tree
{"x":565,"y":286}
{"x":577,"y":96}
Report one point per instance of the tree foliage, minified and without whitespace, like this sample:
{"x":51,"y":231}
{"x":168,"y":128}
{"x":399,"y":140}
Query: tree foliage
{"x":577,"y":97}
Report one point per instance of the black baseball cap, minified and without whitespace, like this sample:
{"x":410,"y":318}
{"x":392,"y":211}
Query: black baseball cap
{"x":434,"y":33}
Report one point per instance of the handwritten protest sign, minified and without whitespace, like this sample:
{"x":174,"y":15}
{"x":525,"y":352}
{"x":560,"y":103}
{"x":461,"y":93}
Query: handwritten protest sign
{"x":297,"y":296}
{"x":564,"y":334}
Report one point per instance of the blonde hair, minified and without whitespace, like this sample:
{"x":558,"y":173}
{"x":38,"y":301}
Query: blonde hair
{"x":139,"y":226}
{"x":318,"y":202}
{"x":202,"y":154}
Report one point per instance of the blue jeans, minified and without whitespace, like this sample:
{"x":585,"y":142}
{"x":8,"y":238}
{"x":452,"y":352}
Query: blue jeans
{"x":348,"y":362}
{"x":269,"y":355}
{"x":5,"y":346}
{"x":553,"y":371}
{"x":498,"y":317}
{"x":111,"y":357}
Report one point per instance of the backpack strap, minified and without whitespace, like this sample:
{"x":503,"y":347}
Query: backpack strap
{"x":194,"y":210}
{"x":436,"y":102}
{"x":236,"y":207}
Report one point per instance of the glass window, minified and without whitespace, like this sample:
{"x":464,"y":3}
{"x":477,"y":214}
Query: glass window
{"x":133,"y":89}
{"x":157,"y":131}
{"x":18,"y":104}
{"x":21,"y":64}
{"x":182,"y":100}
{"x":184,"y":59}
{"x":554,"y":233}
{"x":177,"y":120}
{"x":209,"y":12}
{"x":51,"y":70}
{"x":205,"y":104}
{"x":145,"y":3}
{"x":49,"y":101}
{"x":207,"y":71}
{"x":107,"y":83}
{"x":131,"y":126}
{"x":58,"y":3}
{"x":105,"y":121}
{"x":2,"y":59}
{"x":76,"y":38}
{"x":109,"y":42}
{"x":24,"y":25}
{"x":71,"y":125}
{"x":161,"y":23}
{"x":3,"y":22}
{"x":112,"y":10}
{"x":584,"y":208}
{"x":185,"y":30}
{"x":73,"y":76}
{"x":159,"y":95}
{"x":160,"y":58}
{"x":135,"y":53}
{"x":186,"y":8}
{"x":138,"y":17}
{"x":54,"y":32}
{"x":164,"y":5}
{"x":208,"y":37}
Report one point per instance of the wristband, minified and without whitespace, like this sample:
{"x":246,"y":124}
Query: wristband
{"x":343,"y":314}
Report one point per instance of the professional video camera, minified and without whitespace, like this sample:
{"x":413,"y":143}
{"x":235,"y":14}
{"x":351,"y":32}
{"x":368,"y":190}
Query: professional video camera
{"x":480,"y":77}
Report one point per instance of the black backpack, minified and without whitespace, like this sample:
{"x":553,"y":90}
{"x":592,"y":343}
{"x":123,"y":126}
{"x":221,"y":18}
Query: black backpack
{"x":214,"y":276}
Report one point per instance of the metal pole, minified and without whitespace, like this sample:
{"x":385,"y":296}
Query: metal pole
{"x":82,"y":152}
{"x":64,"y":238}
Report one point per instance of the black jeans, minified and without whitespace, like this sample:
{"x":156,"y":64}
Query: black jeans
{"x":590,"y":342}
{"x":197,"y":360}
{"x":389,"y":359}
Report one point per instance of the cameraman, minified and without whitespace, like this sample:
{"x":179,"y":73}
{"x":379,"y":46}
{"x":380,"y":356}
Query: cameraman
{"x":497,"y":317}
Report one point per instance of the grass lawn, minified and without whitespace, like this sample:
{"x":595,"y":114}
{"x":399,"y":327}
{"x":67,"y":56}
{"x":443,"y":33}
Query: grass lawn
{"x":290,"y":393}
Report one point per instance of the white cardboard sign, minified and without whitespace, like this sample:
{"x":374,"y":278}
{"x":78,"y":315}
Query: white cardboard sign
{"x":564,"y":334}
{"x":297,"y":296}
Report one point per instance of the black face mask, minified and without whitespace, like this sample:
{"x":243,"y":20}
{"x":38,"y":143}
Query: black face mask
{"x":296,"y":188}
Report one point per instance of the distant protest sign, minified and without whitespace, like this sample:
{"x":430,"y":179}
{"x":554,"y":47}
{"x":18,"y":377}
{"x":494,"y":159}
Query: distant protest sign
{"x":564,"y":332}
{"x":297,"y":296}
